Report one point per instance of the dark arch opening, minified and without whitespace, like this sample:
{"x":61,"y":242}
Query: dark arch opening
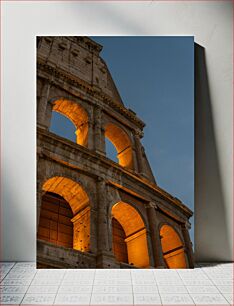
{"x":78,"y":201}
{"x":55,"y":224}
{"x":118,"y":241}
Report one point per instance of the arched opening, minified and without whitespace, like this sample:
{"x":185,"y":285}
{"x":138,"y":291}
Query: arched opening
{"x":71,"y":194}
{"x":119,"y":244}
{"x":77,"y":115}
{"x":111,"y":152}
{"x":62,"y":126}
{"x":55,"y":224}
{"x":172,"y":247}
{"x":129,"y":240}
{"x":122,"y":144}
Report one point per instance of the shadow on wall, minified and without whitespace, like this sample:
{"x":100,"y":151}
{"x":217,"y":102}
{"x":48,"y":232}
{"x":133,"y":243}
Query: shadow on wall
{"x":18,"y":225}
{"x":210,"y":216}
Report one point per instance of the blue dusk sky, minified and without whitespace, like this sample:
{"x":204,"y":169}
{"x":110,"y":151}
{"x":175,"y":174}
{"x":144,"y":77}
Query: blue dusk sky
{"x":155,"y":78}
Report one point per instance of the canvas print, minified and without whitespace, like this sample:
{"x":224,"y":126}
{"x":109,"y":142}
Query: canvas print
{"x":115,"y":152}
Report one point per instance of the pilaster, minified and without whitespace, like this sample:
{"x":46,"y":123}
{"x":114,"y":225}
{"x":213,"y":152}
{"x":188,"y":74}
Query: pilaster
{"x":43,"y":105}
{"x":139,"y":153}
{"x":155,"y":235}
{"x":188,"y":244}
{"x":99,"y":133}
{"x":105,"y":258}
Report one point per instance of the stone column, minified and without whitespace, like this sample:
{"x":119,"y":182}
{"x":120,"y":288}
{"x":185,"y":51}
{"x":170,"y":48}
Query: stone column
{"x":139,"y":153}
{"x":188,"y":244}
{"x":39,"y":197}
{"x":42,"y":106}
{"x":150,"y":250}
{"x":99,"y":137}
{"x":103,"y":244}
{"x":40,"y":194}
{"x":93,"y":230}
{"x":105,"y":258}
{"x":39,"y":177}
{"x":156,"y":241}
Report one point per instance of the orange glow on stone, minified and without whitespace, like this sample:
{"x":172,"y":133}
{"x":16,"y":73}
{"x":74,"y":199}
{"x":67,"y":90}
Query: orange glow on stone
{"x":78,"y":200}
{"x":78,"y":117}
{"x":135,"y":232}
{"x":172,"y":247}
{"x":122,"y":143}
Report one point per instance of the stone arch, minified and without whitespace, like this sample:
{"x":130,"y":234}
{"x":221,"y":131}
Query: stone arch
{"x":135,"y":238}
{"x":50,"y":169}
{"x":55,"y":224}
{"x":77,"y":115}
{"x":172,"y":247}
{"x":78,"y":200}
{"x":122,"y":142}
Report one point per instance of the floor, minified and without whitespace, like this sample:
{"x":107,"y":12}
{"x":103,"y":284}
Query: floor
{"x":207,"y":284}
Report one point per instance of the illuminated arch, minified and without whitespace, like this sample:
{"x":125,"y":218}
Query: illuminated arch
{"x":172,"y":247}
{"x":122,"y":143}
{"x":78,"y":116}
{"x":74,"y":194}
{"x":55,"y":224}
{"x":135,"y":235}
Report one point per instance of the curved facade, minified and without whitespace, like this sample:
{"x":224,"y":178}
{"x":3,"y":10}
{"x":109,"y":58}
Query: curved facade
{"x":93,"y":212}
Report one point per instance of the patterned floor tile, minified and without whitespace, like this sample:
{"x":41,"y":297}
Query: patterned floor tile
{"x":176,"y":299}
{"x":76,"y":278}
{"x":147,"y":299}
{"x":143,"y":281}
{"x":222,"y":275}
{"x":197,"y":282}
{"x":43,"y":289}
{"x":46,"y":282}
{"x":229,"y":298}
{"x":110,"y":278}
{"x":225,"y":289}
{"x":26,"y":264}
{"x":111,"y":299}
{"x":80,"y":282}
{"x":11,"y":299}
{"x":142,"y":273}
{"x":3,"y":275}
{"x":74,"y":275}
{"x":16,"y":282}
{"x":169,"y":282}
{"x":209,"y":299}
{"x":145,"y":289}
{"x":223,"y":282}
{"x":4,"y":270}
{"x":74,"y":289}
{"x":113,"y":282}
{"x":28,"y":275}
{"x":202,"y":289}
{"x":164,"y":289}
{"x":210,"y":284}
{"x":6,"y":264}
{"x":72,"y":299}
{"x":49,"y":276}
{"x":39,"y":299}
{"x":13,"y":289}
{"x":112,"y":289}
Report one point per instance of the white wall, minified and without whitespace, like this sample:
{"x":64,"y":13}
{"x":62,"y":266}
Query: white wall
{"x":211,"y":24}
